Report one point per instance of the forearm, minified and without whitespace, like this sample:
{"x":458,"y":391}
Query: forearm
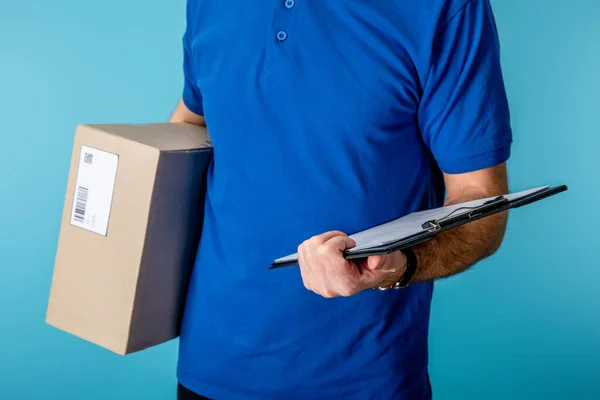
{"x":453,"y":251}
{"x":182,"y":114}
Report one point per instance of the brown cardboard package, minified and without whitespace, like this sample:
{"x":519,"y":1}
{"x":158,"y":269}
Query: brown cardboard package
{"x":129,"y":233}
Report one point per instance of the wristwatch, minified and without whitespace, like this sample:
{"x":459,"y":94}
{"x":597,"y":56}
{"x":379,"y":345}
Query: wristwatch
{"x":409,"y":272}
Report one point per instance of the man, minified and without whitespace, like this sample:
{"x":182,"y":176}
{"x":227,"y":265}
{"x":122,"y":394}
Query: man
{"x":327,"y":118}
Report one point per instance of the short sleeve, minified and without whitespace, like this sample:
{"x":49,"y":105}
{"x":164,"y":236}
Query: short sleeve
{"x":191,"y":97}
{"x":463,"y":113}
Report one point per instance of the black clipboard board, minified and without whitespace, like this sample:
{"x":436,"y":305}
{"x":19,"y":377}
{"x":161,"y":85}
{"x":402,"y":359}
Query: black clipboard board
{"x":456,"y":218}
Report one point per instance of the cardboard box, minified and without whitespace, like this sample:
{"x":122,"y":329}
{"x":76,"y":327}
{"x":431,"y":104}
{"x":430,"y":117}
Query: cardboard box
{"x":130,"y":228}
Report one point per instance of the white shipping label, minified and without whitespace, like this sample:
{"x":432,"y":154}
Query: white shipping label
{"x":94,"y":188}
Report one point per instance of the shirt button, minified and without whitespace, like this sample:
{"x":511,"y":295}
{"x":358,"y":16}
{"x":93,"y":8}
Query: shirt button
{"x":289,"y":3}
{"x":282,"y":35}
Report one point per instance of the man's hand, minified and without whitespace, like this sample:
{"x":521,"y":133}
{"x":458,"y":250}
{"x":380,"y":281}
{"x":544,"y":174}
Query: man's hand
{"x":326,"y":272}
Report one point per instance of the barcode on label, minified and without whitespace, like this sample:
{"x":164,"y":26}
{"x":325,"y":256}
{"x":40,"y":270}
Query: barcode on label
{"x":80,"y":204}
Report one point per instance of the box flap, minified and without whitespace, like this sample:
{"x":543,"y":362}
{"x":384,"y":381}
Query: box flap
{"x":165,"y":137}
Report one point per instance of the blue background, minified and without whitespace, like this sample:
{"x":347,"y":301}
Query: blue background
{"x":522,"y":325}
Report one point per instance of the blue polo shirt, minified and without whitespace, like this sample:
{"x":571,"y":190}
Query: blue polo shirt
{"x":328,"y":114}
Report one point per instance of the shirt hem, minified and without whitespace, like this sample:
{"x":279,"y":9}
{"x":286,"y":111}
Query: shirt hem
{"x":478,"y":161}
{"x":193,"y":105}
{"x":193,"y":384}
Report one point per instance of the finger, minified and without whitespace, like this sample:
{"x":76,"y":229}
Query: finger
{"x":339,"y":274}
{"x":306,"y":278}
{"x":339,"y":243}
{"x":324,"y":237}
{"x":301,"y":258}
{"x":304,"y":267}
{"x":337,"y":270}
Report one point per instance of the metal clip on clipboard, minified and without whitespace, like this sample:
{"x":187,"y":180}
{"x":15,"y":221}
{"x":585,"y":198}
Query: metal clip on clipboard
{"x":475,"y":212}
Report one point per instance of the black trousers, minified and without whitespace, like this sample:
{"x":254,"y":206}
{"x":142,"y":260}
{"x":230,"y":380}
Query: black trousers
{"x":184,"y":394}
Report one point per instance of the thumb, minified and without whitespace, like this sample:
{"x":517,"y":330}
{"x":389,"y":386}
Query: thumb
{"x":373,"y":262}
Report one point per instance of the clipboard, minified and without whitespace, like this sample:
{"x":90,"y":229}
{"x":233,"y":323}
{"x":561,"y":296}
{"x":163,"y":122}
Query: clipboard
{"x":426,"y":228}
